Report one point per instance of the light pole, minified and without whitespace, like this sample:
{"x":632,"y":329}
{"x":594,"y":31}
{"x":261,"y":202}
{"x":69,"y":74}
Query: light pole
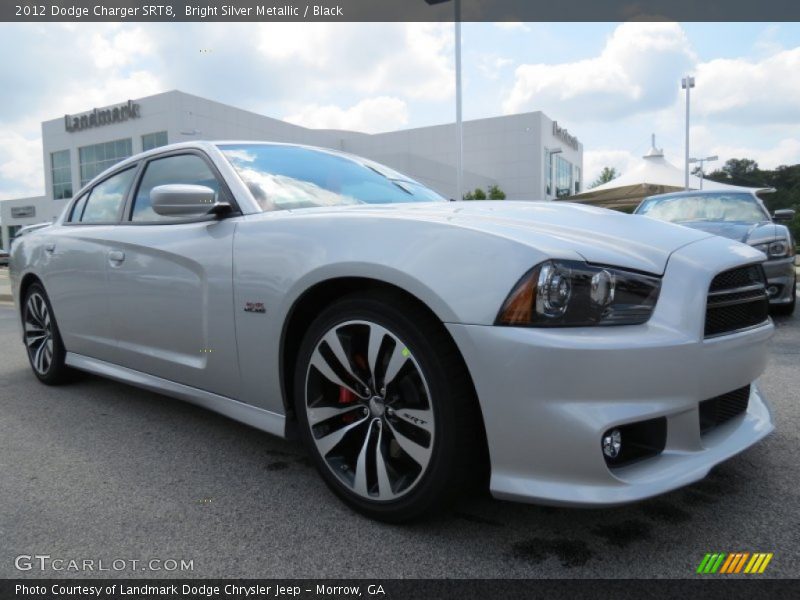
{"x":459,"y":127}
{"x":702,"y":161}
{"x":687,"y":83}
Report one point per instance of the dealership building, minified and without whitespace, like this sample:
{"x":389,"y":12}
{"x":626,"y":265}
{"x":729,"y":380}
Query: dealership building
{"x":529,"y":156}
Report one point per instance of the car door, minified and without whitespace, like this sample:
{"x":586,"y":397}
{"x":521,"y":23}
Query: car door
{"x":170,"y":283}
{"x":74,"y":270}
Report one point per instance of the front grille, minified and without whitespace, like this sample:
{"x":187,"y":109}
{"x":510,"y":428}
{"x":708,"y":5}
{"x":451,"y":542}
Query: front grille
{"x":718,"y":410}
{"x":737,"y":299}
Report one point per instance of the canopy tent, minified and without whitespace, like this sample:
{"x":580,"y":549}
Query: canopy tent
{"x":654,"y":175}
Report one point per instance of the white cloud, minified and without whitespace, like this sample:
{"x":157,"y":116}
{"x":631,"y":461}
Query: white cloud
{"x":370,"y":115}
{"x":512,"y":26}
{"x":20,"y":164}
{"x":785,"y":152}
{"x":636,"y":71}
{"x":491,"y":66}
{"x":744,"y":91}
{"x":595,"y":160}
{"x":120,"y":47}
{"x":104,"y":54}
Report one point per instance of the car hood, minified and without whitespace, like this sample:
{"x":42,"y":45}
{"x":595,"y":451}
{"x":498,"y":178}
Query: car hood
{"x":559,"y":229}
{"x":749,"y":233}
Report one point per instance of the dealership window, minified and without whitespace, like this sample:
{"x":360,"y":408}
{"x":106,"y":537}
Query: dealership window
{"x":97,"y":158}
{"x":61,"y":174}
{"x":154,"y":140}
{"x":563,"y":177}
{"x":548,"y":169}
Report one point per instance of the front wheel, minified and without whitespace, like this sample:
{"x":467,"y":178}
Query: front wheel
{"x":386,"y":408}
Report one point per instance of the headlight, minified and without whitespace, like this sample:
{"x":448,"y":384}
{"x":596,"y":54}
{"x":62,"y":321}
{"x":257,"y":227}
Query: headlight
{"x":566,"y":293}
{"x":777,"y":249}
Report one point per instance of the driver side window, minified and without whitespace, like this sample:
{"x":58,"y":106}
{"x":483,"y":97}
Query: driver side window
{"x":181,"y":169}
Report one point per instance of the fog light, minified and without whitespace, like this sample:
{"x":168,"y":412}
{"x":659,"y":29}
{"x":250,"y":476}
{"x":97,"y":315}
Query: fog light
{"x":772,"y":290}
{"x":612,"y":443}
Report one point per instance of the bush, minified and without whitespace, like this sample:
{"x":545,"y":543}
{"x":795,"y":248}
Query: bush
{"x":495,"y":193}
{"x":478,"y":194}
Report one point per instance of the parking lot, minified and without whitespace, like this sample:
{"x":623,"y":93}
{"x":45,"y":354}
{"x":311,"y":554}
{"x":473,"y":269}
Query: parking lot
{"x":99,"y":470}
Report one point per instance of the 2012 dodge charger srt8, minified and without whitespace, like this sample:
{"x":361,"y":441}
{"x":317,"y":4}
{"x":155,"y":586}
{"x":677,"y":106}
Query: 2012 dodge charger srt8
{"x":577,"y":355}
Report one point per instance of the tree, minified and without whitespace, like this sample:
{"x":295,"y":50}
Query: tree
{"x":606,"y":175}
{"x":478,"y":194}
{"x":784,"y":179}
{"x":495,"y":193}
{"x":739,"y":171}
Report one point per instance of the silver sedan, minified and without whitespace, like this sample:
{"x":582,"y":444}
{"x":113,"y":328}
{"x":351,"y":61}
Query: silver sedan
{"x":568,"y":354}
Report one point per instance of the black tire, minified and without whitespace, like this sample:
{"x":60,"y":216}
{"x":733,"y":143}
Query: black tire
{"x":46,"y":356}
{"x":786,"y":310}
{"x":457,"y":454}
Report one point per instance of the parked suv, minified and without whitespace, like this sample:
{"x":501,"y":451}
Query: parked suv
{"x":740,"y":216}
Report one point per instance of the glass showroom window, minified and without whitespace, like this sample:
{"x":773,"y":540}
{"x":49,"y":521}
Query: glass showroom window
{"x":563,"y":177}
{"x":97,"y":158}
{"x":154,"y":140}
{"x":548,"y":170}
{"x":61,"y":174}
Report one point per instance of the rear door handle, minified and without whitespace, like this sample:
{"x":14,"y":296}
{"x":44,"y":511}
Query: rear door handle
{"x":116,"y":256}
{"x":50,"y":248}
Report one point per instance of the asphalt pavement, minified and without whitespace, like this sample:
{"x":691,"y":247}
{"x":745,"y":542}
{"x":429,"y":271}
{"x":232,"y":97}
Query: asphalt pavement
{"x":97,"y":470}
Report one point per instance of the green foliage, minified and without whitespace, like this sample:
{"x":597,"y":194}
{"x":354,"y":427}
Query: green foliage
{"x":495,"y":193}
{"x":606,"y":175}
{"x":477,"y":194}
{"x":785,"y":180}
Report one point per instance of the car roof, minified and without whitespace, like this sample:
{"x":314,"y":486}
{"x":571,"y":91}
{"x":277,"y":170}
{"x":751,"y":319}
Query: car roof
{"x":702,"y":193}
{"x":210,"y":145}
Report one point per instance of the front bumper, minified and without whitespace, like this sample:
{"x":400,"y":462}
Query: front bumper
{"x":547,"y":396}
{"x":781,"y":274}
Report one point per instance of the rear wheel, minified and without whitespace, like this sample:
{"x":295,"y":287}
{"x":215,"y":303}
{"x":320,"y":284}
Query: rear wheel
{"x":386,"y":408}
{"x":43,"y":343}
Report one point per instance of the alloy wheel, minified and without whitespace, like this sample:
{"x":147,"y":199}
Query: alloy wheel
{"x":38,"y":333}
{"x":369,"y":410}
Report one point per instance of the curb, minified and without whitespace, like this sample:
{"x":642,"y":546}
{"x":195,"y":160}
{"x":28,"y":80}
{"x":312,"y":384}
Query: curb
{"x":6,"y":298}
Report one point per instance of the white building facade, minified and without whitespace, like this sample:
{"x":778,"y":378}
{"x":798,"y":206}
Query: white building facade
{"x":527,"y":155}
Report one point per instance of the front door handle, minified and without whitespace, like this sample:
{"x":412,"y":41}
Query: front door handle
{"x":116,"y":256}
{"x":50,"y":248}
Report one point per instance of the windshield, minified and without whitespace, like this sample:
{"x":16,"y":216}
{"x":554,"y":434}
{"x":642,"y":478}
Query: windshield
{"x":704,"y":207}
{"x":288,"y":177}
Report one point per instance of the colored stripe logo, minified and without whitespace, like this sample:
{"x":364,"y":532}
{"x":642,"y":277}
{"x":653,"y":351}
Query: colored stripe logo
{"x":734,"y":562}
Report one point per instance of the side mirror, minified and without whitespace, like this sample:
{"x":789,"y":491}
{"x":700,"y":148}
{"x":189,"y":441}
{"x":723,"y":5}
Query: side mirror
{"x":784,"y":214}
{"x":185,"y":200}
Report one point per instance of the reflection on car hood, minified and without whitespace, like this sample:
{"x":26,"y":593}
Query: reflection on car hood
{"x":559,"y":229}
{"x":749,"y":233}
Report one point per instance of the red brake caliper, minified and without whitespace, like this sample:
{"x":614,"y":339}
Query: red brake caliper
{"x":347,"y":397}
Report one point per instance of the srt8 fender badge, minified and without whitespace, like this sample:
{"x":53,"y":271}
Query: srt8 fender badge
{"x":254,"y":307}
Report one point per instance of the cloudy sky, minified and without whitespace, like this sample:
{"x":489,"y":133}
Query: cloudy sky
{"x":610,"y":84}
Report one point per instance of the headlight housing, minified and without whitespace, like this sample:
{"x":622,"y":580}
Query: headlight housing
{"x":776,"y":249}
{"x":567,"y":293}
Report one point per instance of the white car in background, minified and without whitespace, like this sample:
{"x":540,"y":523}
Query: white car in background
{"x":577,"y":355}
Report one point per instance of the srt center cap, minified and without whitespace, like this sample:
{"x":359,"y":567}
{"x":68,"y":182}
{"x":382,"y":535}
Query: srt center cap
{"x":376,"y":406}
